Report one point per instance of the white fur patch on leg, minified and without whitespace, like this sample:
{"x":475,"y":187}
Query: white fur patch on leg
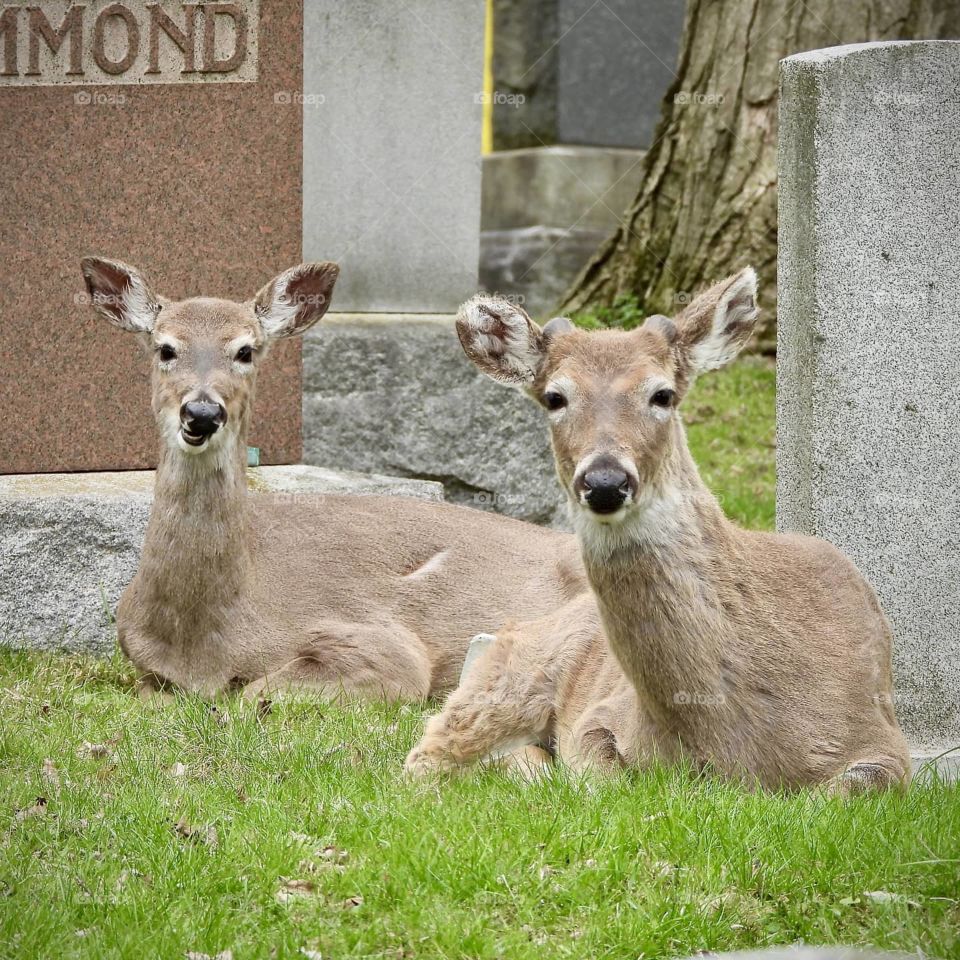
{"x":475,"y":650}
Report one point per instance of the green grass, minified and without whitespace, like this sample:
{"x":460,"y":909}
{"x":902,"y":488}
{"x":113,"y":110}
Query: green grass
{"x":731,"y":425}
{"x":133,"y":856}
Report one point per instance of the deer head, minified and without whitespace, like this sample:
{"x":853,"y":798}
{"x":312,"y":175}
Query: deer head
{"x":611,"y":397}
{"x":206,"y":352}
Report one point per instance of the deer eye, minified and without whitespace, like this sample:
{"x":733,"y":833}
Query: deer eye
{"x":554,"y":401}
{"x":663,"y":398}
{"x":167,"y":353}
{"x":244,"y":355}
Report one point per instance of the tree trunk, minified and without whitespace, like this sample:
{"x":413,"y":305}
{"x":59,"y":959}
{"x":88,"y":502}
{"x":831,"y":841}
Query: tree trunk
{"x":707,"y":204}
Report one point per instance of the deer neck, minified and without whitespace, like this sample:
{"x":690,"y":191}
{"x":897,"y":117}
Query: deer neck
{"x":662,"y":581}
{"x":196,"y":556}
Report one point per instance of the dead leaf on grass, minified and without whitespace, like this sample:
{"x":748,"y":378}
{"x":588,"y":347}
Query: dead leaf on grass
{"x":292,"y":887}
{"x":351,"y":903}
{"x":198,"y":834}
{"x":50,"y":773}
{"x":178,"y":770}
{"x":333,"y":854}
{"x":36,"y":809}
{"x":127,"y":875}
{"x":221,"y":716}
{"x":99,"y":751}
{"x":887,"y":896}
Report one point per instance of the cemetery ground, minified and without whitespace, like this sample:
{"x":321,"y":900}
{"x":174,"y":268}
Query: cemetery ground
{"x":287,"y":829}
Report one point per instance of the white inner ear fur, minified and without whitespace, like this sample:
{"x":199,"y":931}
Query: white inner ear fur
{"x":735,"y":311}
{"x":515,"y":354}
{"x":133,"y":307}
{"x":279,"y":316}
{"x":140,"y":309}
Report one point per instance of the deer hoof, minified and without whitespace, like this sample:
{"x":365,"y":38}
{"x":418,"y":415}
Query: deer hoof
{"x":422,"y":763}
{"x":860,"y":778}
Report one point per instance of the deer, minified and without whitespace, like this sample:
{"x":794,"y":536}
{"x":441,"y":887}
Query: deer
{"x":763,"y":657}
{"x":345,"y":595}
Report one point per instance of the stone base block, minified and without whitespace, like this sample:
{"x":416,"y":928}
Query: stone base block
{"x":559,"y":186}
{"x":394,"y":393}
{"x":536,"y":265}
{"x":69,"y":544}
{"x":546,"y":210}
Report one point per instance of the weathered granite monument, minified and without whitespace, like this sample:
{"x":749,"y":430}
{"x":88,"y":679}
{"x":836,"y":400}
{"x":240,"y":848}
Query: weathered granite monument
{"x":868,"y":432}
{"x":392,"y":192}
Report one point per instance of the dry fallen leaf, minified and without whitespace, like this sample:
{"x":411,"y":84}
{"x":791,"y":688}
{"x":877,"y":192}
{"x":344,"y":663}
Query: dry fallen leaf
{"x":127,"y":875}
{"x":351,"y":903}
{"x":98,"y":751}
{"x":290,"y":888}
{"x":221,"y":716}
{"x":886,"y":896}
{"x":333,"y":854}
{"x":50,"y":773}
{"x":178,"y":770}
{"x":206,"y":834}
{"x":37,"y":809}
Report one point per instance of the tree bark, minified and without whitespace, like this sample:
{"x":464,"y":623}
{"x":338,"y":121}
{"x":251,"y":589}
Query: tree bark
{"x":707,"y":204}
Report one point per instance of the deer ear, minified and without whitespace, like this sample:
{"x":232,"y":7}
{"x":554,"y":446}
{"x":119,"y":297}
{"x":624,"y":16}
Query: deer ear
{"x":556,"y":326}
{"x":500,"y":339}
{"x":294,"y":301}
{"x":119,"y":293}
{"x":718,"y":324}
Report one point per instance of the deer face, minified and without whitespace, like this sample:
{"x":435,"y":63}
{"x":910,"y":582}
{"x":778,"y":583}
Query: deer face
{"x":611,"y":397}
{"x":205,"y":353}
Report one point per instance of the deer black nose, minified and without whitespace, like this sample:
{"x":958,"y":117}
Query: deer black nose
{"x":605,"y":489}
{"x":201,"y":418}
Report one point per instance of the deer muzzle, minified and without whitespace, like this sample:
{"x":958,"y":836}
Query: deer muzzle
{"x":200,"y":420}
{"x":603,"y":484}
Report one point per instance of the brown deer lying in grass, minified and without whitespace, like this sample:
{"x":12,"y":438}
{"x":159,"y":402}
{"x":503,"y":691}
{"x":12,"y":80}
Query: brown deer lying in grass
{"x":367,"y":595}
{"x":763,"y":656}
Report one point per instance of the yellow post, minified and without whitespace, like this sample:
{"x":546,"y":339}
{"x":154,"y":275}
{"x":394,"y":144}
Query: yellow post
{"x":486,"y":136}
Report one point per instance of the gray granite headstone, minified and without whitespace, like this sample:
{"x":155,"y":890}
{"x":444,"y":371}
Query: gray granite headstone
{"x":868,"y":416}
{"x":398,"y":396}
{"x":616,"y":60}
{"x":392,"y":103}
{"x":581,"y":71}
